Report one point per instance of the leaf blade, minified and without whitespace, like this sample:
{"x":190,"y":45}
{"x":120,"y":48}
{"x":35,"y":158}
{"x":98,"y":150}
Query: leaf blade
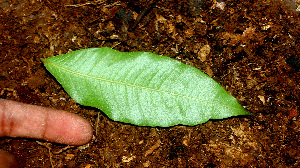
{"x":142,"y":88}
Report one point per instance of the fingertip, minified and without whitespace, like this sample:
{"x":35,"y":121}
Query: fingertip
{"x":80,"y":132}
{"x":86,"y":133}
{"x":67,"y":128}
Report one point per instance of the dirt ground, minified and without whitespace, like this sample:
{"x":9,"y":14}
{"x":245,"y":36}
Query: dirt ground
{"x":250,"y":47}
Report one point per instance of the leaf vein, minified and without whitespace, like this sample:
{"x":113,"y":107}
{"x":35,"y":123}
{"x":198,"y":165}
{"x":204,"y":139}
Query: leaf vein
{"x":138,"y":86}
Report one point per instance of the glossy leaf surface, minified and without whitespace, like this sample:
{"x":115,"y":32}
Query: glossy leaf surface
{"x":142,"y":88}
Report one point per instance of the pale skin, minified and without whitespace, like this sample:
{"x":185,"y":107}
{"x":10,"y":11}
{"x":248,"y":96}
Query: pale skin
{"x":30,"y":121}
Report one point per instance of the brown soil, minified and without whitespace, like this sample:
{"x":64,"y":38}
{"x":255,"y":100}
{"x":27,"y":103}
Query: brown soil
{"x":249,"y":47}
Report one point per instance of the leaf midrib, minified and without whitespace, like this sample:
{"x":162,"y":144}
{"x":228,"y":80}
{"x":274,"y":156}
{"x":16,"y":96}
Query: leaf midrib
{"x":136,"y":86}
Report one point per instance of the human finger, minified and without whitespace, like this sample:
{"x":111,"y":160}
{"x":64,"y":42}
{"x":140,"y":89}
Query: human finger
{"x":30,"y":121}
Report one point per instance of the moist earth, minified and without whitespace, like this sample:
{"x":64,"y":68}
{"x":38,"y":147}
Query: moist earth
{"x":250,"y":47}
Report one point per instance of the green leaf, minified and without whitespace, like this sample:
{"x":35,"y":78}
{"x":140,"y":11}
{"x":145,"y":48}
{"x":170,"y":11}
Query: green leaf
{"x":142,"y":88}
